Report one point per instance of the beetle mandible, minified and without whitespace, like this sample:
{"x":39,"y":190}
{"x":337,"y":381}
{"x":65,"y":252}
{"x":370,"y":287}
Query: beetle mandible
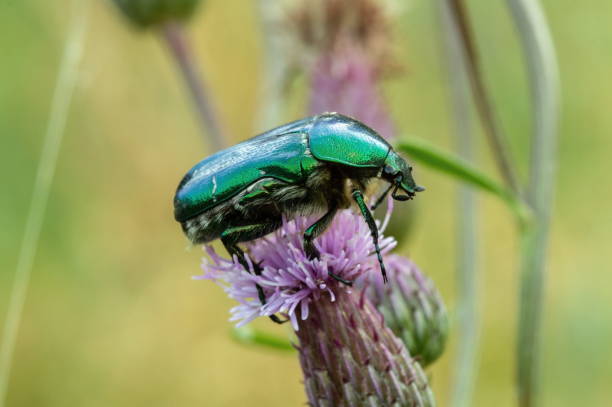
{"x":319,"y":164}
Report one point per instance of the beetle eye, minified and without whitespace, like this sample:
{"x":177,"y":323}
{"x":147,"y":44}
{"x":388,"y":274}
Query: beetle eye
{"x":388,"y":170}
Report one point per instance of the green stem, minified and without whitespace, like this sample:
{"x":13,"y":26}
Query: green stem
{"x":468,"y":320}
{"x":60,"y":105}
{"x":248,"y":335}
{"x":180,"y":49}
{"x":543,"y":77}
{"x":482,"y":99}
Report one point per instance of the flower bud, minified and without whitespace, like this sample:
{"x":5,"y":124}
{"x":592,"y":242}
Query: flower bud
{"x":148,"y":13}
{"x":412,"y":308}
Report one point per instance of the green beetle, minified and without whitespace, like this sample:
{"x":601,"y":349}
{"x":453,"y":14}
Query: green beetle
{"x":319,"y":164}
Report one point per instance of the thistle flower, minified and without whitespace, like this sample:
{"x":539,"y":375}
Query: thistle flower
{"x":147,"y":13}
{"x":349,"y":43}
{"x":289,"y":278}
{"x":328,"y":26}
{"x":412,"y":307}
{"x":342,"y":81}
{"x":347,"y":353}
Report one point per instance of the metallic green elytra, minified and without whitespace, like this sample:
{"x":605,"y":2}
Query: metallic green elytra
{"x":319,"y":164}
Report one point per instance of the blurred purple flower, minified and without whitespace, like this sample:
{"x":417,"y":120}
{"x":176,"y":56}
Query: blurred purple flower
{"x":289,"y":279}
{"x":347,"y":82}
{"x":345,"y":47}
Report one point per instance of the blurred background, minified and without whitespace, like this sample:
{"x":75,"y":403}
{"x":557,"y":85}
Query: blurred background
{"x":113,"y":317}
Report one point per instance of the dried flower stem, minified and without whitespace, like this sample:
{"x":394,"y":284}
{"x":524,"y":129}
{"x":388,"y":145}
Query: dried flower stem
{"x":173,"y":35}
{"x":543,"y":77}
{"x":467,"y":282}
{"x":482,"y":99}
{"x":60,"y":105}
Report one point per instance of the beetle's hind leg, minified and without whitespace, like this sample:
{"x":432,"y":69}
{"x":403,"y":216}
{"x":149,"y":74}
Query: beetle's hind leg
{"x":230,"y":238}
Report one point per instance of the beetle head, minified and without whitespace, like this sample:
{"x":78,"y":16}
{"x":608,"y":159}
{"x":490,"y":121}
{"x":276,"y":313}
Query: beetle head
{"x":397,"y":172}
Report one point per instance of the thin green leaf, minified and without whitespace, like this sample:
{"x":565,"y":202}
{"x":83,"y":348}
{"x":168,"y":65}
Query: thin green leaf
{"x":250,"y":336}
{"x":65,"y":85}
{"x":452,"y":165}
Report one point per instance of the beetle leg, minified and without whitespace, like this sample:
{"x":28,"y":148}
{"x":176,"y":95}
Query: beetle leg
{"x":234,"y":235}
{"x":358,"y":197}
{"x":315,"y":230}
{"x":230,"y":237}
{"x":233,"y":249}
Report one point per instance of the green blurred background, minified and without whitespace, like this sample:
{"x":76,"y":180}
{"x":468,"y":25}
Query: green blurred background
{"x":112,"y":316}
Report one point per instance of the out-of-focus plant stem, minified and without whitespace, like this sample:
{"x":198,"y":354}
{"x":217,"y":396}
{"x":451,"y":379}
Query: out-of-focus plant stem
{"x":544,"y":83}
{"x":248,"y":335}
{"x":275,"y":67}
{"x":60,"y":106}
{"x":174,"y":36}
{"x":468,"y":322}
{"x":482,"y":99}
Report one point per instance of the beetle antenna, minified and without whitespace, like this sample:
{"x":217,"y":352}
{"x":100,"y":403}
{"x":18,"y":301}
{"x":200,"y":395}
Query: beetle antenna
{"x":381,"y":198}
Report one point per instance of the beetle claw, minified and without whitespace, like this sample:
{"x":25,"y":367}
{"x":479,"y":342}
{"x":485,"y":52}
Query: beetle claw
{"x":262,"y":299}
{"x":338,"y":278}
{"x":277,"y":320}
{"x":257,"y":269}
{"x":311,"y":252}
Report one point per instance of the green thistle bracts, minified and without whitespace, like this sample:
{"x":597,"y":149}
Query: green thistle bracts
{"x":350,"y":358}
{"x":412,"y":308}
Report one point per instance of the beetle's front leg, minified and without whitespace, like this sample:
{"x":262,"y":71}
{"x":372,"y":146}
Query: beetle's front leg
{"x":358,"y":197}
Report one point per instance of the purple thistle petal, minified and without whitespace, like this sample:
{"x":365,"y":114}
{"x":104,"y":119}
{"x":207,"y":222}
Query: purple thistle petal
{"x":290,"y":280}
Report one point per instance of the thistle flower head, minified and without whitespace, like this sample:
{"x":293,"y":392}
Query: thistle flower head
{"x":328,"y":26}
{"x":349,"y":356}
{"x":290,"y":280}
{"x":350,"y":49}
{"x":340,"y":81}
